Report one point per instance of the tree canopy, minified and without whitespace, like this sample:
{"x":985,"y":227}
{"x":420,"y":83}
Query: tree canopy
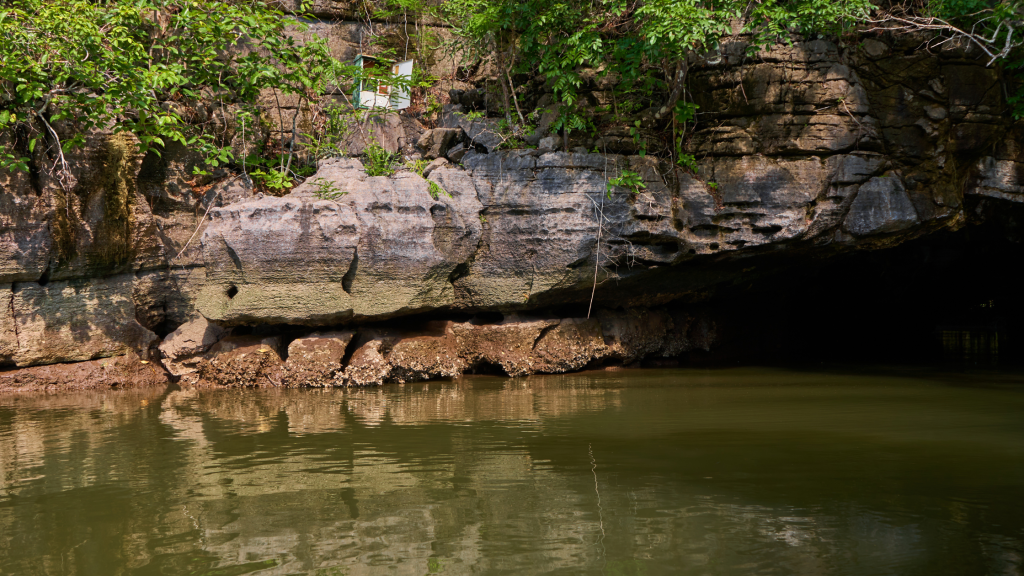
{"x":141,"y":66}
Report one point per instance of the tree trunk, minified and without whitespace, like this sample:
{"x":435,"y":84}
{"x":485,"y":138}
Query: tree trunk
{"x":678,"y":83}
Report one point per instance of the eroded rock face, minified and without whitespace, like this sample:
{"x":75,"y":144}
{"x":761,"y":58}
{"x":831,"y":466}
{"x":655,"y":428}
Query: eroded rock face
{"x":523,"y":230}
{"x":812,"y":149}
{"x":808,"y":147}
{"x":437,"y":142}
{"x":76,"y":320}
{"x":881,"y":206}
{"x":127,"y":371}
{"x":444,"y":349}
{"x":84,"y":259}
{"x":316,"y":360}
{"x":385,"y":248}
{"x":8,"y":334}
{"x":182,"y":349}
{"x":241,"y":362}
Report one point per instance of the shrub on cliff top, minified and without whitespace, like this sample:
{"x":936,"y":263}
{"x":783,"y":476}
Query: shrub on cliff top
{"x":147,"y":67}
{"x":646,"y":47}
{"x":379,"y":162}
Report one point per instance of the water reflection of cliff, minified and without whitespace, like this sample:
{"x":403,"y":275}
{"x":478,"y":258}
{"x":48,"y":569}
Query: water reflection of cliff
{"x":313,"y":411}
{"x":477,"y":476}
{"x":298,"y":477}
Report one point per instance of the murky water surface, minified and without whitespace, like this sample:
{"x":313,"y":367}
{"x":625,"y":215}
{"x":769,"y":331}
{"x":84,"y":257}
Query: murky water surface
{"x":632,"y":472}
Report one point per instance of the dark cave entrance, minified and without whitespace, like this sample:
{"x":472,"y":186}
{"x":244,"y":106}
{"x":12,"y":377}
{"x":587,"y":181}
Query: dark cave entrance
{"x":950,"y":298}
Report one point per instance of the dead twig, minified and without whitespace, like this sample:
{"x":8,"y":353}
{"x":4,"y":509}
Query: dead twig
{"x":992,"y":46}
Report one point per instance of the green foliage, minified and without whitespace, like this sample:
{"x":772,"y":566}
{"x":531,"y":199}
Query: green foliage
{"x":772,"y":21}
{"x":634,"y":131}
{"x":267,"y":172}
{"x":961,"y":11}
{"x":417,"y":166}
{"x":336,"y":125}
{"x":512,"y":135}
{"x":991,"y":25}
{"x":435,"y":190}
{"x":572,"y":122}
{"x":627,"y":179}
{"x":274,"y":180}
{"x":685,"y":111}
{"x":146,"y":67}
{"x":1016,"y":100}
{"x":433,"y":106}
{"x":687,"y":161}
{"x":641,"y":43}
{"x":324,"y":189}
{"x":379,"y":162}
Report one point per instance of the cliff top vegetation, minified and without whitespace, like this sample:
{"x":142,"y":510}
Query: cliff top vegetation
{"x":68,"y":67}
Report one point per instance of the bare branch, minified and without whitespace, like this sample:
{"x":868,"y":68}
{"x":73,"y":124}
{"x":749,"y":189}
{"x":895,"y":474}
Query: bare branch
{"x":996,"y":44}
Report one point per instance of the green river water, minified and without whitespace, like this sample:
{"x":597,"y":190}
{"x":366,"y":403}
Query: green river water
{"x":630,"y":472}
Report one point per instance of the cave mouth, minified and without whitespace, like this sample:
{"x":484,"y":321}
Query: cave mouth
{"x":950,"y":298}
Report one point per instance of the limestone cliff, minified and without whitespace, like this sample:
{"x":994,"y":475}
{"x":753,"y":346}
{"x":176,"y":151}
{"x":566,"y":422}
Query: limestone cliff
{"x":812,"y":149}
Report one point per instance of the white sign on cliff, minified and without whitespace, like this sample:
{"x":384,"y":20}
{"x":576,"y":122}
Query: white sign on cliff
{"x":376,"y":87}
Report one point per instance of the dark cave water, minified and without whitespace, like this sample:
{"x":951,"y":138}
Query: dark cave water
{"x":724,"y":471}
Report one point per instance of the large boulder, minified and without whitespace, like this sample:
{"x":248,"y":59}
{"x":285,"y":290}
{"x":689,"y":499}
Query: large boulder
{"x":242,"y":362}
{"x":384,"y":248}
{"x":316,"y":360}
{"x":437,"y":142}
{"x":183,"y":348}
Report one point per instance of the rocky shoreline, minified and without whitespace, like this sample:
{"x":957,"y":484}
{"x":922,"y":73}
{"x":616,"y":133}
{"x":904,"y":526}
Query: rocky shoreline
{"x":202,"y":354}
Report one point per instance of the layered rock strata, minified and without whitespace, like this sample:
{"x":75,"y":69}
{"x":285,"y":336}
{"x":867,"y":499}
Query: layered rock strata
{"x":811,"y":149}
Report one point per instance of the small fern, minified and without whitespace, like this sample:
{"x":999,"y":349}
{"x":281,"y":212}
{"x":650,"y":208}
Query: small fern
{"x":326,"y":190}
{"x":379,"y":162}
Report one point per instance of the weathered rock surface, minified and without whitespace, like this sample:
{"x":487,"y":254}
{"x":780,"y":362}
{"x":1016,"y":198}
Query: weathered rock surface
{"x":483,"y":132}
{"x":522,"y":230}
{"x":127,"y":371}
{"x":437,"y":142}
{"x":316,"y":360}
{"x":84,"y":260}
{"x":182,"y":349}
{"x":881,"y":206}
{"x":8,"y":333}
{"x":76,"y":320}
{"x":811,"y":149}
{"x":999,"y":178}
{"x":384,"y":248}
{"x":445,"y":349}
{"x":241,"y":362}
